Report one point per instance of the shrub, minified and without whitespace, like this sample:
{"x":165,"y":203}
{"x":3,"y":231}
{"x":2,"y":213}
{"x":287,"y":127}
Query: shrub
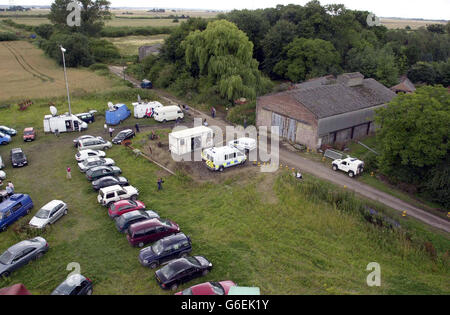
{"x":7,"y":36}
{"x":103,"y":50}
{"x":76,"y":45}
{"x":238,"y":113}
{"x":98,"y":66}
{"x":44,"y":30}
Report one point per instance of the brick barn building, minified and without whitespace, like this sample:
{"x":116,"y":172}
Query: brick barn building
{"x":324,"y":111}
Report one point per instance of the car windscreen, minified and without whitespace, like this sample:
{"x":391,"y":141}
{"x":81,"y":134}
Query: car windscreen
{"x":28,"y":133}
{"x":217,"y":288}
{"x":193,"y":261}
{"x":2,"y":135}
{"x":188,"y":291}
{"x":158,"y":247}
{"x":165,"y":222}
{"x":5,"y":257}
{"x":18,"y":155}
{"x":43,"y":214}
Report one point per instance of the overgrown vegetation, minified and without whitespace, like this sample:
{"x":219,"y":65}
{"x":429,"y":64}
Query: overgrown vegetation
{"x":414,"y":141}
{"x":6,"y":36}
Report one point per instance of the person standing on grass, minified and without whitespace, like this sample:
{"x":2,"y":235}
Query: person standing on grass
{"x":110,"y":132}
{"x":245,"y":123}
{"x":150,"y":150}
{"x":105,"y":127}
{"x":137,"y":127}
{"x":69,"y":173}
{"x":160,"y":182}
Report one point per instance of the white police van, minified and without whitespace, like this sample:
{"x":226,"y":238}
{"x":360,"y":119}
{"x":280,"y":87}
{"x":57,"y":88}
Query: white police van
{"x":217,"y":159}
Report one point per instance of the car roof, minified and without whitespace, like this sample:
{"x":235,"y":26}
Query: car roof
{"x":121,"y":202}
{"x":107,"y":177}
{"x":126,"y":130}
{"x":223,"y":150}
{"x":15,"y":150}
{"x":29,"y":129}
{"x":180,"y":263}
{"x":111,"y":188}
{"x":146,"y":224}
{"x":100,"y":168}
{"x":50,"y":205}
{"x":174,"y":238}
{"x":17,"y":248}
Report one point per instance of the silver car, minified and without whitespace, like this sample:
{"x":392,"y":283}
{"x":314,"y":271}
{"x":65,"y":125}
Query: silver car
{"x":93,"y":162}
{"x":49,"y":214}
{"x":22,"y":253}
{"x":94,"y":144}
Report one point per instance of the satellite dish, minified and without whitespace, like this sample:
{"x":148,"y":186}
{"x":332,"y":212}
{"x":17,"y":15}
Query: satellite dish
{"x":53,"y":110}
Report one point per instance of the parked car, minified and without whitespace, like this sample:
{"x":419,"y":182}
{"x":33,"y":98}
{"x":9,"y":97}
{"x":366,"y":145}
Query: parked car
{"x":102,"y":171}
{"x":109,"y":181}
{"x":49,"y":214}
{"x":2,"y":165}
{"x":209,"y":288}
{"x":22,"y":253}
{"x":147,"y":231}
{"x":146,"y":84}
{"x":2,"y":175}
{"x":123,"y":206}
{"x":108,"y":195}
{"x":4,"y":138}
{"x":18,"y":158}
{"x":75,"y":285}
{"x":166,"y":249}
{"x":83,"y":155}
{"x":8,"y":131}
{"x":350,"y":165}
{"x":94,"y":144}
{"x":128,"y":218}
{"x":29,"y":134}
{"x":95,"y":161}
{"x":182,"y":270}
{"x":243,"y":144}
{"x":13,"y":208}
{"x":123,"y":135}
{"x":87,"y":117}
{"x":77,"y":140}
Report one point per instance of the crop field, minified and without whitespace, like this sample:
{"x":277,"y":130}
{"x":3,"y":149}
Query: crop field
{"x":28,"y":73}
{"x":402,"y":23}
{"x":129,"y":45}
{"x":257,"y":229}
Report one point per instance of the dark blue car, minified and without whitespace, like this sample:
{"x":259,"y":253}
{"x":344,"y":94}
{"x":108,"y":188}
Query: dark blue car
{"x":146,"y":84}
{"x":166,"y":249}
{"x":13,"y":208}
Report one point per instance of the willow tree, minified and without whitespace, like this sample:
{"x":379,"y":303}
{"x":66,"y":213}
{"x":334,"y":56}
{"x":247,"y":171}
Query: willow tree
{"x":223,"y":55}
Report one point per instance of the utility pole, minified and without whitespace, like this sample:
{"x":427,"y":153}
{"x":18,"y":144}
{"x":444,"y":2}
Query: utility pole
{"x":63,"y":50}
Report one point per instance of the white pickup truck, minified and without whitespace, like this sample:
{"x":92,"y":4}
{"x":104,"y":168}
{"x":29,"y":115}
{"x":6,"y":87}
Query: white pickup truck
{"x":351,"y":166}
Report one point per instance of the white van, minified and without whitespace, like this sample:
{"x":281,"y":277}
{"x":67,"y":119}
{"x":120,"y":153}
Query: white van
{"x":217,"y":159}
{"x":63,"y":123}
{"x":166,"y":113}
{"x":243,"y":144}
{"x":144,"y":110}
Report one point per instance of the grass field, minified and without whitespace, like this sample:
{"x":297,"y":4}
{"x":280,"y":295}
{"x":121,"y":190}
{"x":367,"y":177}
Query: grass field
{"x":257,"y":229}
{"x":401,"y":23}
{"x":28,"y":73}
{"x":129,"y":45}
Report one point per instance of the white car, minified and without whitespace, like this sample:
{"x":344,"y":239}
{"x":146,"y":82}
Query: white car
{"x":2,"y":175}
{"x":49,"y":214}
{"x":2,"y":165}
{"x":349,"y":165}
{"x":243,"y":144}
{"x":108,"y":195}
{"x":95,"y":161}
{"x":83,"y":155}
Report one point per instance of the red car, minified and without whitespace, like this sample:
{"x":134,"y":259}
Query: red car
{"x":29,"y":134}
{"x":151,"y":230}
{"x":209,"y":288}
{"x":123,"y":206}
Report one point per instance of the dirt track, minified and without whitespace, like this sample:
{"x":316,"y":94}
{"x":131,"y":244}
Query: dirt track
{"x":307,"y":166}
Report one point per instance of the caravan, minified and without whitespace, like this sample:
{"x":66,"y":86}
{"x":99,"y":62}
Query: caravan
{"x":145,"y":110}
{"x":188,"y":140}
{"x":63,"y":123}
